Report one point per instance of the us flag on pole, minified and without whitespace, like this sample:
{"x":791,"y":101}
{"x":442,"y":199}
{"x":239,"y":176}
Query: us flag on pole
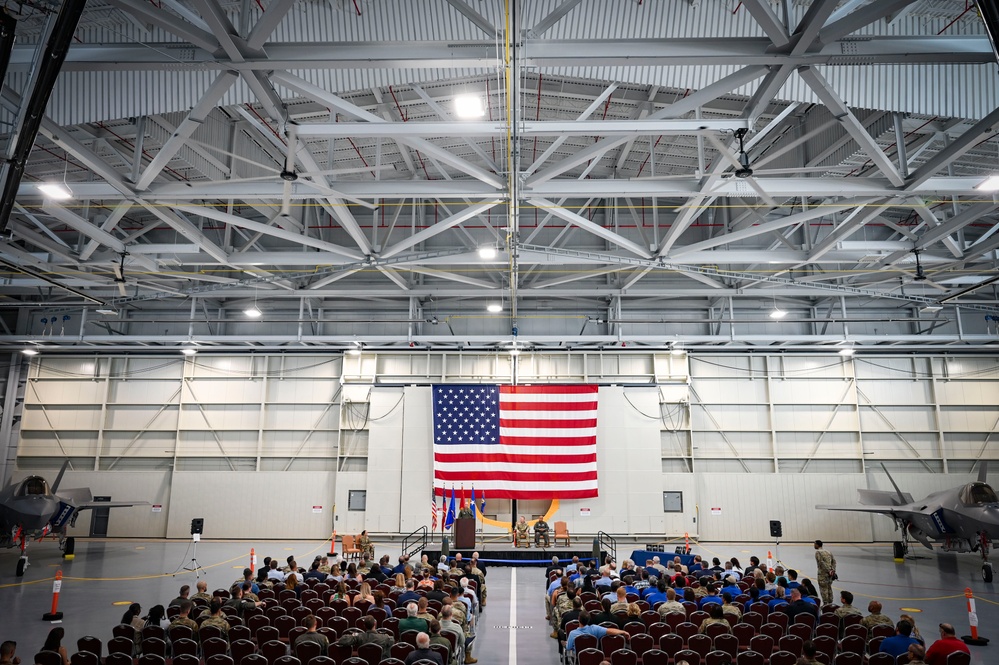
{"x":517,"y":442}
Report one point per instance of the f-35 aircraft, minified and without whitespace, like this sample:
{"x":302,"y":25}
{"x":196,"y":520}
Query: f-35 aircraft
{"x":29,"y":510}
{"x":960,"y":519}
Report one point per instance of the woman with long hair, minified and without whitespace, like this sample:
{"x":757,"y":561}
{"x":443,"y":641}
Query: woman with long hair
{"x":340,"y":593}
{"x":400,"y":582}
{"x":157,"y":617}
{"x":291,"y":582}
{"x":54,"y":643}
{"x":365,"y":594}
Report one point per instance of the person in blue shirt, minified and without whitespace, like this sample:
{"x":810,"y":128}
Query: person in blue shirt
{"x":712,"y":597}
{"x":731,"y":587}
{"x":586,"y":628}
{"x":778,"y":599}
{"x":899,"y":643}
{"x":655,"y":594}
{"x":792,"y":579}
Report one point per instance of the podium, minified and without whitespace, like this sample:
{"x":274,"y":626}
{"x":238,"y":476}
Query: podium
{"x":464,"y":533}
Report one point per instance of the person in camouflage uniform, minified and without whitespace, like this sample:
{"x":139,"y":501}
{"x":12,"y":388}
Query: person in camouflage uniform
{"x":217,"y":619}
{"x":826,"y":565}
{"x":875,"y":618}
{"x":521,"y":533}
{"x":183,"y":619}
{"x":365,"y":545}
{"x":369,"y":636}
{"x":203,"y":592}
{"x":846,"y":605}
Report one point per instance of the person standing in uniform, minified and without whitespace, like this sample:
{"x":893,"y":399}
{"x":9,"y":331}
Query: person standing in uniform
{"x":826,"y":564}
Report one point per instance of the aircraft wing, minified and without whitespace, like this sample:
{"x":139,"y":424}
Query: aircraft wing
{"x":110,"y":504}
{"x":83,"y":499}
{"x":880,"y":510}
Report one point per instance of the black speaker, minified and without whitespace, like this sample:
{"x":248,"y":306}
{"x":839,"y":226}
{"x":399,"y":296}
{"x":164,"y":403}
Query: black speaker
{"x":775,"y":529}
{"x":197,"y":525}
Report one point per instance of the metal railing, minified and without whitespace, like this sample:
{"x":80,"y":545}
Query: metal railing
{"x":608,"y":543}
{"x":416,"y":541}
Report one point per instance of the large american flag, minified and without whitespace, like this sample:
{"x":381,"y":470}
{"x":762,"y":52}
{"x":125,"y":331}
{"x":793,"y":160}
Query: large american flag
{"x":516,"y":442}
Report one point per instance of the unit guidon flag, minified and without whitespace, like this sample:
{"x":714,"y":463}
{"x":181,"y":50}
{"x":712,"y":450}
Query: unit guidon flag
{"x":516,"y":442}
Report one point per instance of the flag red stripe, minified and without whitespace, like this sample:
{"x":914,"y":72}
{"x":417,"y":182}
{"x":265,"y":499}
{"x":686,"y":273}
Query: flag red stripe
{"x":516,"y":476}
{"x":548,"y":390}
{"x":548,"y":424}
{"x":548,"y":406}
{"x":547,"y":494}
{"x":445,"y":458}
{"x":508,"y":440}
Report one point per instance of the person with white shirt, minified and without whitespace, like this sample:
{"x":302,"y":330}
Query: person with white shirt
{"x":274,"y":573}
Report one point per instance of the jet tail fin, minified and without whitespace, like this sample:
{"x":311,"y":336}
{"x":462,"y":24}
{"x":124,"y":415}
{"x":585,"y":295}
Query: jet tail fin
{"x":58,"y":480}
{"x":983,"y":471}
{"x":901,"y":496}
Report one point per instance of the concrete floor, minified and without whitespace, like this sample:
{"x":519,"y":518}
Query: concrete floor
{"x":121,"y":571}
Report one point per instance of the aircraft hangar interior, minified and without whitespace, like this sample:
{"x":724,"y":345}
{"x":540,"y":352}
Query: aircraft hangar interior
{"x":698,"y":277}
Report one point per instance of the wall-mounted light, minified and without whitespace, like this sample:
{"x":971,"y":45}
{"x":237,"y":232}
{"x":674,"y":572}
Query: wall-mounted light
{"x":469,"y":106}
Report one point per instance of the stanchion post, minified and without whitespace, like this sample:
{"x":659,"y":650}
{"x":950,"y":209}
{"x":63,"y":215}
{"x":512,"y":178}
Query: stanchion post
{"x":55,"y":614}
{"x":973,"y":639}
{"x":253,"y":560}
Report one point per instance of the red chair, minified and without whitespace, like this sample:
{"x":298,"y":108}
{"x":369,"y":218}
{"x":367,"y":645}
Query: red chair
{"x":701,"y":644}
{"x":686,"y":630}
{"x":642,"y":643}
{"x":273,"y":650}
{"x":589,"y":657}
{"x":851,"y":620}
{"x":780,"y":619}
{"x":763,"y":644}
{"x":825,"y":644}
{"x":852,"y":659}
{"x":716,"y":629}
{"x":674,"y":619}
{"x":339,"y":653}
{"x":402,"y":649}
{"x":584,"y":642}
{"x":123,"y":630}
{"x":657,"y":630}
{"x":90,"y":644}
{"x":772,"y":630}
{"x":267,"y":634}
{"x":743,"y":633}
{"x":48,"y":658}
{"x":125,"y":645}
{"x":154,"y":645}
{"x":670,"y":644}
{"x":185,"y":647}
{"x":791,"y":643}
{"x":856,"y":630}
{"x":800,"y":630}
{"x":240,"y":649}
{"x":883,"y":631}
{"x":874,"y":644}
{"x":727,"y":643}
{"x":783,"y":658}
{"x":751,"y":658}
{"x":718,"y":658}
{"x":760,"y":608}
{"x":214,"y":646}
{"x":370,"y":653}
{"x":611,"y":643}
{"x":120,"y":659}
{"x":698,"y":617}
{"x":84,"y":658}
{"x":959,"y":658}
{"x":809,"y":620}
{"x":754,"y":619}
{"x":655,"y":657}
{"x":852,"y":644}
{"x":634,"y":628}
{"x":624,"y":657}
{"x":827,"y":630}
{"x":188,"y":659}
{"x":829,"y":618}
{"x":649,"y":617}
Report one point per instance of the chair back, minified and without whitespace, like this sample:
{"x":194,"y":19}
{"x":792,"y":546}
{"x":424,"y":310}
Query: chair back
{"x":48,"y":658}
{"x":959,"y":658}
{"x":84,"y":658}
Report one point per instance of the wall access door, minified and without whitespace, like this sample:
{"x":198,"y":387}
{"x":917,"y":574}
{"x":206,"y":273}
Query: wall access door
{"x":99,"y":520}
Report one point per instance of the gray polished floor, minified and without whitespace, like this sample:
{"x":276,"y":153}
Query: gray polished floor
{"x":105,"y":573}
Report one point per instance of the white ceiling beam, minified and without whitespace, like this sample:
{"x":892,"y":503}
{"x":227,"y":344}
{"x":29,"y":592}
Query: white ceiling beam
{"x":556,"y":15}
{"x":438,"y":228}
{"x":630,"y":128}
{"x":811,"y":23}
{"x":189,"y":231}
{"x":765,"y":17}
{"x":967,"y":216}
{"x":842,"y":24}
{"x":150,"y":13}
{"x":981,"y":130}
{"x":590,"y":227}
{"x":83,"y":226}
{"x":475,"y":18}
{"x":850,"y":123}
{"x":110,"y":223}
{"x":268,"y":23}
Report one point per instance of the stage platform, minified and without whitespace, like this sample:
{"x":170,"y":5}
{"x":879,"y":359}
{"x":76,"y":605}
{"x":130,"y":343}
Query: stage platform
{"x":496,"y":554}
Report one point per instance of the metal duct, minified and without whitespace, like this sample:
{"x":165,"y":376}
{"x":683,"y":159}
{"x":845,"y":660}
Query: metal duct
{"x":49,"y":67}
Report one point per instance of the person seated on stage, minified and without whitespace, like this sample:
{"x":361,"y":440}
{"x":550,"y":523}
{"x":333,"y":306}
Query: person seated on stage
{"x":541,"y":533}
{"x":875,"y":618}
{"x":588,"y":627}
{"x":716,"y":616}
{"x":898,"y":643}
{"x":412,"y":621}
{"x":671,"y":606}
{"x":728,"y":607}
{"x":520,"y":533}
{"x":355,"y":638}
{"x":312,"y":635}
{"x":364,"y":544}
{"x":948,"y":643}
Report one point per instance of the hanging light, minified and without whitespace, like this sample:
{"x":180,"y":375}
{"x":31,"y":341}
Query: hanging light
{"x":487,"y":252}
{"x":469,"y":106}
{"x":253,"y":312}
{"x":494,"y":308}
{"x":55,"y":191}
{"x":188,"y":351}
{"x":777,"y":313}
{"x":846,"y":351}
{"x":30,"y":351}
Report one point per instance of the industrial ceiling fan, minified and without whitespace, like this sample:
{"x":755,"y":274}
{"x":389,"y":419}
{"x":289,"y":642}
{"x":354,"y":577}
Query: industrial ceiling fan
{"x":119,"y":273}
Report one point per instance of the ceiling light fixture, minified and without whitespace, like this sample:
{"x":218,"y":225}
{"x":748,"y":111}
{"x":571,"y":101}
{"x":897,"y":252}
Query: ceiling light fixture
{"x":30,"y":351}
{"x":188,"y":351}
{"x":846,"y":351}
{"x":253,"y":312}
{"x":514,"y":351}
{"x":469,"y":106}
{"x":494,"y":308}
{"x":55,"y":191}
{"x":990,"y":184}
{"x":107,"y":311}
{"x":777,"y":313}
{"x":487,"y":252}
{"x":355,"y":351}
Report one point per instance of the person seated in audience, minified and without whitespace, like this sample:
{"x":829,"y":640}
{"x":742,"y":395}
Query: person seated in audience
{"x":621,"y":600}
{"x":324,"y":565}
{"x":291,"y":582}
{"x":400,"y":568}
{"x":689,"y":595}
{"x":846,"y":605}
{"x":557,"y":586}
{"x":437,"y":638}
{"x":364,"y":566}
{"x":704,"y":583}
{"x":696,"y":566}
{"x":900,"y":641}
{"x":541,"y":530}
{"x":779,"y":573}
{"x":799,"y":605}
{"x":182,"y":618}
{"x":426,"y":580}
{"x":157,"y":617}
{"x":634,"y":614}
{"x":54,"y":642}
{"x":731,"y":586}
{"x":917,"y":652}
{"x":443,"y":566}
{"x":469,"y":598}
{"x":355,"y":638}
{"x":875,"y":618}
{"x":605,"y":580}
{"x":712,"y":597}
{"x":314,"y":572}
{"x":716,"y":566}
{"x":728,"y":607}
{"x":780,"y":598}
{"x":132,"y":617}
{"x":570,"y":615}
{"x":808,"y":654}
{"x":912,"y":622}
{"x":437,"y":593}
{"x":412,"y":621}
{"x":671,"y":606}
{"x":418,"y":567}
{"x":627,"y":568}
{"x":399,"y":582}
{"x":216,"y":618}
{"x":771,"y":581}
{"x":655,"y":593}
{"x":7,"y":655}
{"x":312,"y":635}
{"x":409,"y":596}
{"x":340,"y":592}
{"x":730,"y":571}
{"x":274,"y":574}
{"x":715,"y":617}
{"x":792,"y":579}
{"x":605,"y":615}
{"x":677,"y":561}
{"x":247,"y":577}
{"x":562,"y":604}
{"x":202,"y":594}
{"x":423,"y":651}
{"x":450,"y":625}
{"x":379,"y":597}
{"x":754,"y":565}
{"x":185,"y":591}
{"x":459,"y":612}
{"x":809,"y":593}
{"x":423,"y":611}
{"x":364,"y":594}
{"x":588,"y":628}
{"x":949,"y":643}
{"x":240,"y":602}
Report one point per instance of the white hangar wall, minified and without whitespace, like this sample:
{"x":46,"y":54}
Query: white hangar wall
{"x":292,"y":441}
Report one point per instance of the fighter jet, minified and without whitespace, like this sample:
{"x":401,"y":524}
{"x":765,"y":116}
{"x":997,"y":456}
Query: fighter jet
{"x":960,"y":519}
{"x":29,"y":510}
